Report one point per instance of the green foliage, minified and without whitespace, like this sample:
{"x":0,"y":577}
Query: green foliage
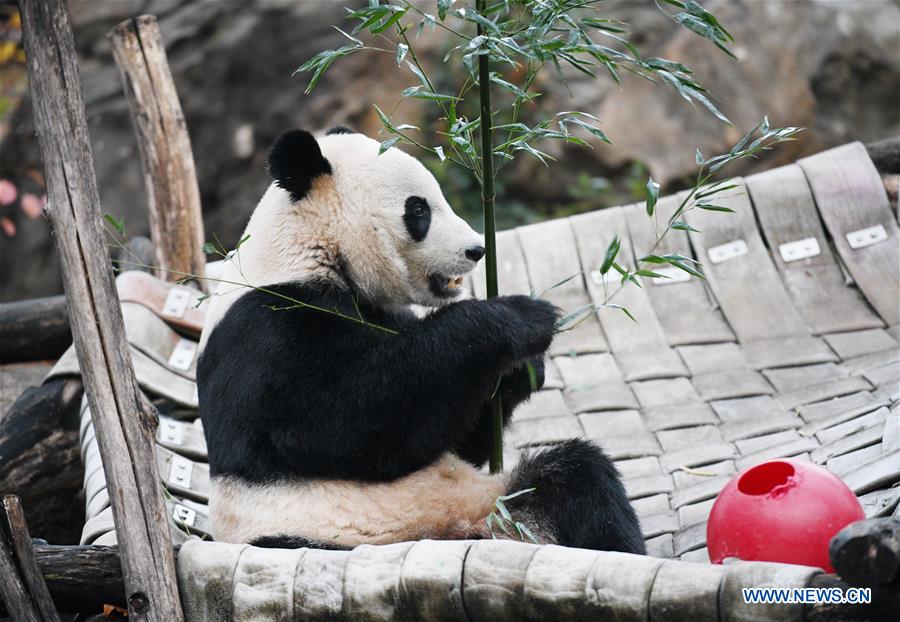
{"x":524,"y":37}
{"x":502,"y":519}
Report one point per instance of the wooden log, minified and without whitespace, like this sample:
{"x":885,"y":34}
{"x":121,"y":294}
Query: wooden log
{"x":80,"y":578}
{"x":867,"y":553}
{"x":84,"y":578}
{"x":32,"y":330}
{"x":31,"y":572}
{"x":40,"y":460}
{"x":176,"y":223}
{"x":885,"y":154}
{"x":883,"y":608}
{"x":12,"y":588}
{"x":124,"y":427}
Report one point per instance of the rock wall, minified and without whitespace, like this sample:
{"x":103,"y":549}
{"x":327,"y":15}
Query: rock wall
{"x":830,"y":66}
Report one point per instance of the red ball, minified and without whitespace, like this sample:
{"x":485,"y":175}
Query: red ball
{"x":780,"y":511}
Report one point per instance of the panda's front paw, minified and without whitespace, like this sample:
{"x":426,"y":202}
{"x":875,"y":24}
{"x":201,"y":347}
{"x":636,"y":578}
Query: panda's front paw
{"x":531,"y":324}
{"x":518,"y":384}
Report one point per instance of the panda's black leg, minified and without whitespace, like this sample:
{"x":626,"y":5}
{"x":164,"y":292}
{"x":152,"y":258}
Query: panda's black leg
{"x":515,"y":388}
{"x":578,"y":498}
{"x":294,"y":542}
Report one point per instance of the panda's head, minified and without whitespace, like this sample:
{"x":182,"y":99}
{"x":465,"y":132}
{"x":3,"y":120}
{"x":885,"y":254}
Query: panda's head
{"x":392,"y":231}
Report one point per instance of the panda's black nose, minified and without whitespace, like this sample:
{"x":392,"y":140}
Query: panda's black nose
{"x":475,"y":253}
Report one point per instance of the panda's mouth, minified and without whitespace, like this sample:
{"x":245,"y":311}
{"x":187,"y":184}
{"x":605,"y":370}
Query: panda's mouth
{"x":444,"y":286}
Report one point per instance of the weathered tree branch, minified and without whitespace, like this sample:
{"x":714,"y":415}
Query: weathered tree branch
{"x":39,"y":458}
{"x":30,"y":570}
{"x":124,"y":428}
{"x":176,"y":223}
{"x":867,"y":552}
{"x":36,"y":329}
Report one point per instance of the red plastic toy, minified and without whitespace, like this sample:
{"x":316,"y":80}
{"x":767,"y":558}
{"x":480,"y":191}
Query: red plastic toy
{"x":780,"y":511}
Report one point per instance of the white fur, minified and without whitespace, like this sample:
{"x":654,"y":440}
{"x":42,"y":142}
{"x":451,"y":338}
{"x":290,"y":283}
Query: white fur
{"x":355,"y":214}
{"x":447,"y":500}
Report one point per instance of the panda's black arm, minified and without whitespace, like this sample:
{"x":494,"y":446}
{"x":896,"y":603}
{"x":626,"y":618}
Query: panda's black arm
{"x":515,"y":388}
{"x":403,"y":400}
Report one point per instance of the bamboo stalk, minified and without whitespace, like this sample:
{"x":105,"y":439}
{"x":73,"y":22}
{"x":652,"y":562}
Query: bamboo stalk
{"x":123,"y":425}
{"x":490,"y":231}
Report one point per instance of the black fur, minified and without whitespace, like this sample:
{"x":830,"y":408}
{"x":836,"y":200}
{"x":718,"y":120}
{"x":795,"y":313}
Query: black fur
{"x":339,"y":129}
{"x":304,"y":393}
{"x":417,"y":218}
{"x":294,"y":542}
{"x":295,"y":160}
{"x":579,"y":492}
{"x":515,"y":388}
{"x":300,"y":393}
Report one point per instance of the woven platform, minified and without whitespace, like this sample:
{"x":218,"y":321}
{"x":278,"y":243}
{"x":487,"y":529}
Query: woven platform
{"x":788,"y":349}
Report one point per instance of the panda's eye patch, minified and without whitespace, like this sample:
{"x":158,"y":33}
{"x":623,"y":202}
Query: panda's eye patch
{"x":417,"y":217}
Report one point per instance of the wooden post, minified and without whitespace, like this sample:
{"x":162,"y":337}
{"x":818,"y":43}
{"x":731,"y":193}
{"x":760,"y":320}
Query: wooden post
{"x":31,"y":571}
{"x":123,"y":426}
{"x":867,"y":552}
{"x":12,"y":588}
{"x":176,"y":223}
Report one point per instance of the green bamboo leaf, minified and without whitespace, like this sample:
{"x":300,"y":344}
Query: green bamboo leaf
{"x":651,"y":275}
{"x":398,"y":13}
{"x":652,"y":196}
{"x":677,"y":257}
{"x":574,"y":318}
{"x":560,"y":283}
{"x":402,"y":49}
{"x":680,"y":225}
{"x":118,"y":225}
{"x":653,"y":259}
{"x":385,"y":121}
{"x":442,"y":7}
{"x":683,"y":266}
{"x":503,"y":511}
{"x":352,"y":38}
{"x":471,"y":15}
{"x":390,"y":142}
{"x":432,"y":96}
{"x":608,"y":25}
{"x":611,"y":305}
{"x":518,"y":493}
{"x":532,"y":376}
{"x":210,"y":249}
{"x":611,"y":251}
{"x":715,"y":208}
{"x":418,"y":73}
{"x":590,"y":128}
{"x":715,"y":189}
{"x":241,"y":242}
{"x":439,"y":151}
{"x":527,"y":532}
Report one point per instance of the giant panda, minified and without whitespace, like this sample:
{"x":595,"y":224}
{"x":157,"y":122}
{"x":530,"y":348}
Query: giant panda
{"x":336,"y":416}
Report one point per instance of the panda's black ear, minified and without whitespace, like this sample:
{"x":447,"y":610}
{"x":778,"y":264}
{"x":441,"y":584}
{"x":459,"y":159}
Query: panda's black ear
{"x":339,"y":129}
{"x":295,"y":160}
